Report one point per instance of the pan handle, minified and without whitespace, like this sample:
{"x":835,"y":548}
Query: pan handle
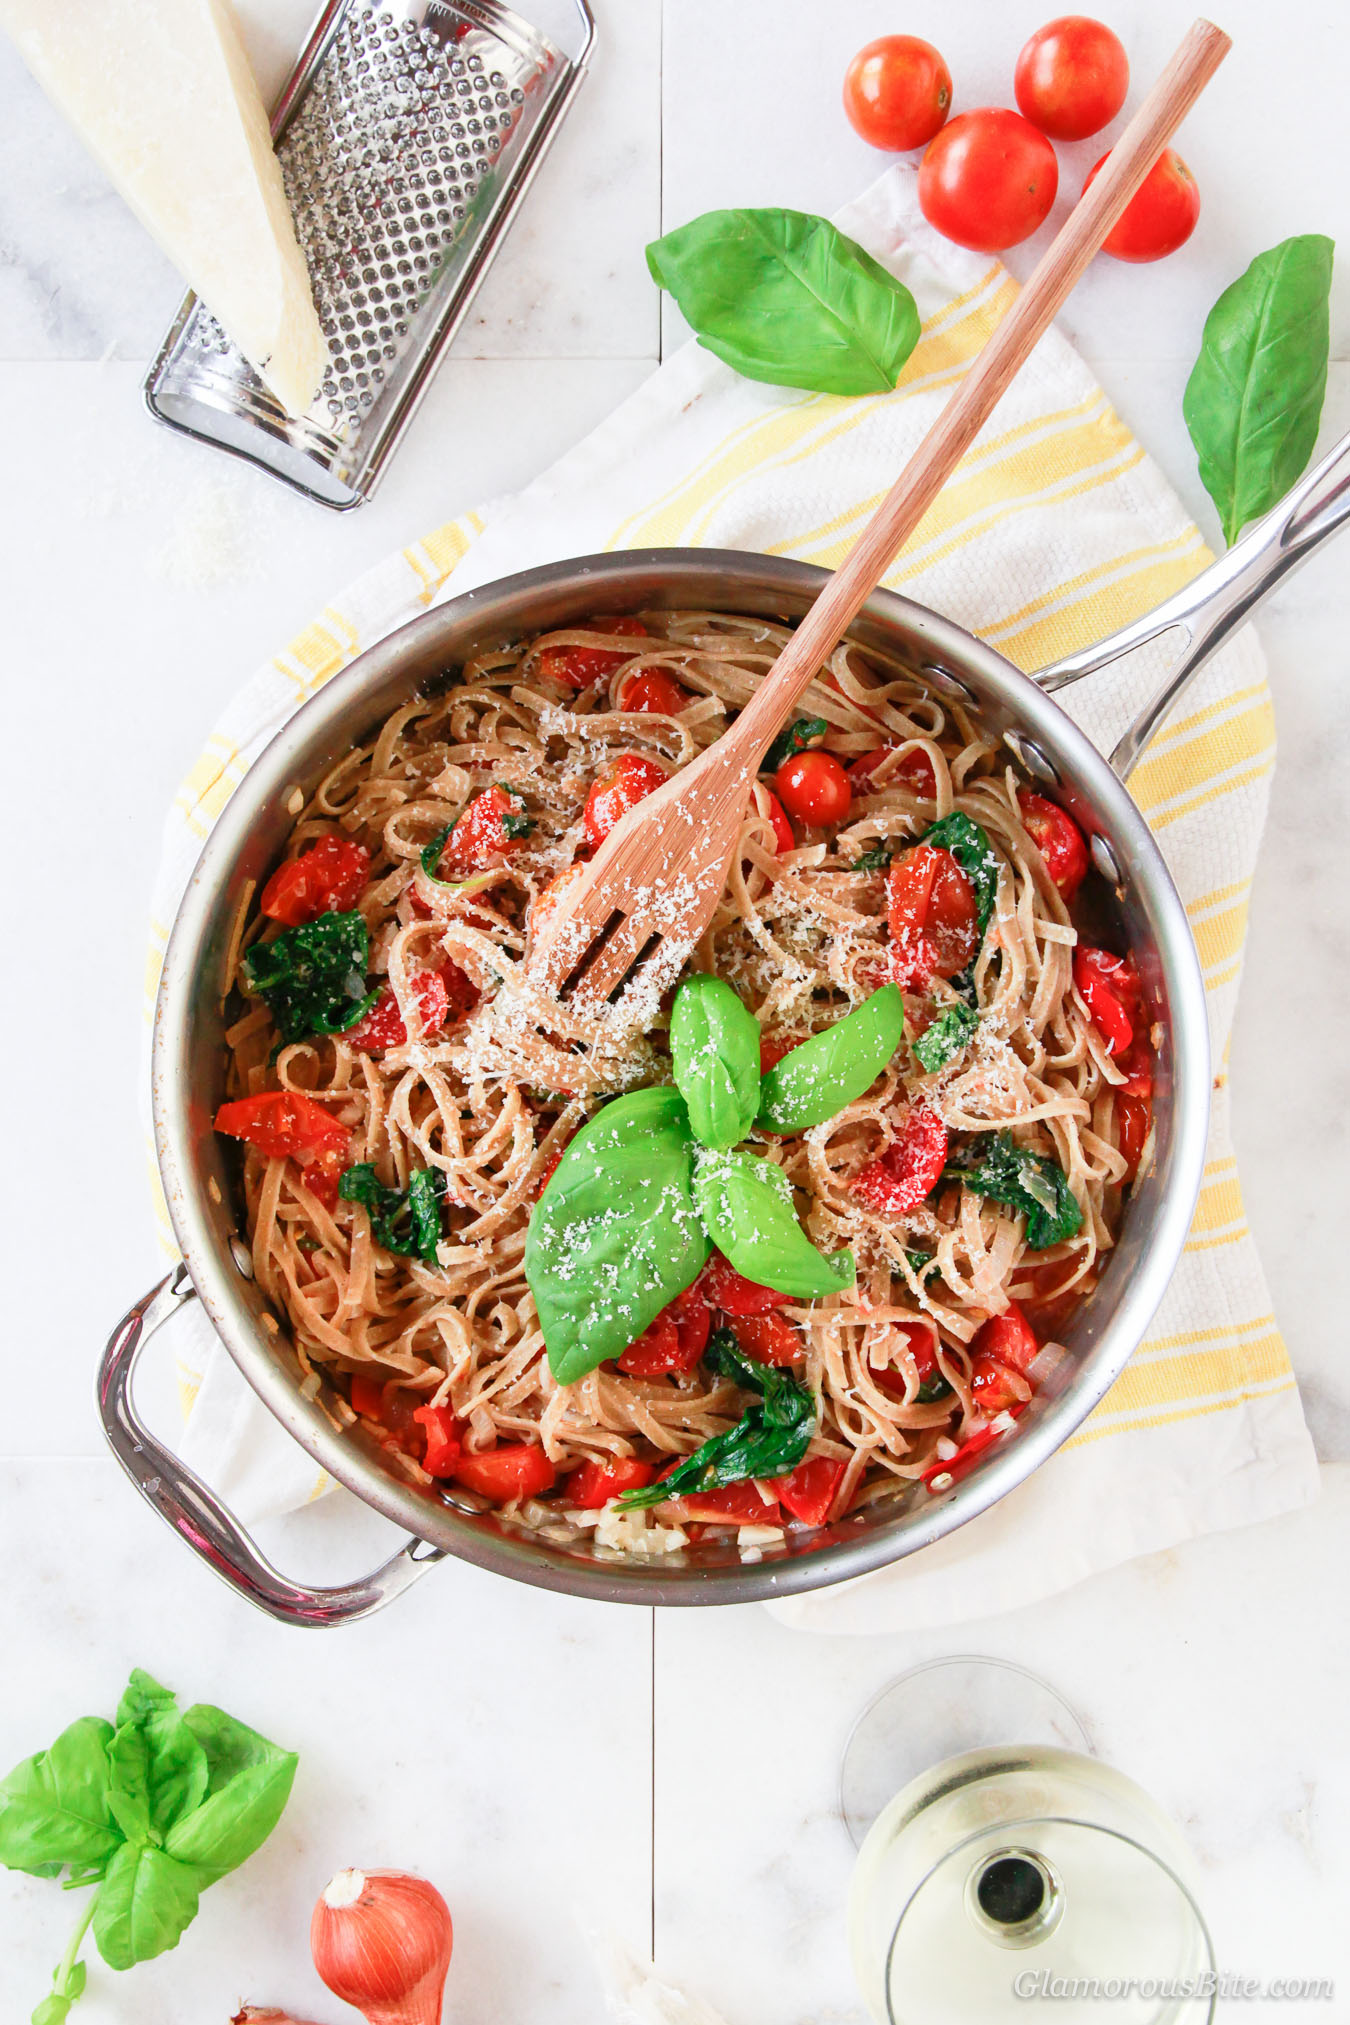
{"x":196,"y":1514}
{"x":1213,"y":605}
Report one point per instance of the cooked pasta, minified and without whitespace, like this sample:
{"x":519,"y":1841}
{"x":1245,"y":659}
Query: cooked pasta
{"x":442,"y":832}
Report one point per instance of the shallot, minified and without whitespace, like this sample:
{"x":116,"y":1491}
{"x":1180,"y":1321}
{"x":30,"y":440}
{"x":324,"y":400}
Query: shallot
{"x":381,"y":1941}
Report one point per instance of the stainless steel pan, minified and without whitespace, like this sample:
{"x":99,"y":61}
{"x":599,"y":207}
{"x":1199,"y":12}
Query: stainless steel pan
{"x":189,"y":1062}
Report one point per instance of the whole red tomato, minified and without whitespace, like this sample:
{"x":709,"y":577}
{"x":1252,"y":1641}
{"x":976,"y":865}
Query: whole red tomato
{"x":988,"y":179}
{"x":1072,"y":77}
{"x":897,"y":92}
{"x":1161,"y":214}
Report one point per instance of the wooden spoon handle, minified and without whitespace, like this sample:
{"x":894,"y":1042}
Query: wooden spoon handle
{"x":1073,"y":247}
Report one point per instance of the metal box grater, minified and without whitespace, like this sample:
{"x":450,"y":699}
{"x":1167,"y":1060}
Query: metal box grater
{"x":408,"y":133}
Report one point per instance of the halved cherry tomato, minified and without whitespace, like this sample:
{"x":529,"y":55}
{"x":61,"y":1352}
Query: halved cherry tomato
{"x":1134,"y":1117}
{"x":444,"y":1439}
{"x":547,"y":899}
{"x":933,"y":916}
{"x":322,"y":1174}
{"x":939,"y":1476}
{"x":328,"y":878}
{"x":630,"y":780}
{"x":674,"y":1341}
{"x":723,"y":1287}
{"x":546,"y":1174}
{"x":1049,"y":1296}
{"x":384,"y":1027}
{"x":769,"y":1339}
{"x":897,"y":92}
{"x":518,"y":1470}
{"x":768,"y":804}
{"x":910,"y":1170}
{"x":595,"y":1483}
{"x":1058,"y":839}
{"x":773,"y":1047}
{"x":282,"y":1124}
{"x":915,"y":771}
{"x":1160,"y":216}
{"x":1109,"y":988}
{"x":1009,"y":1337}
{"x":988,"y":179}
{"x":922,"y":1348}
{"x":367,"y":1395}
{"x":578,"y":667}
{"x":814,"y":787}
{"x":732,"y":1505}
{"x":1072,"y":77}
{"x":653,"y":691}
{"x":810,"y":1490}
{"x":491,"y":827}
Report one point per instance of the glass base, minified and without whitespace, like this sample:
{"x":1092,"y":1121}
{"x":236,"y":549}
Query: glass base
{"x":938,"y":1711}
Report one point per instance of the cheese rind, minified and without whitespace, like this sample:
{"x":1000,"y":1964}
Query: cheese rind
{"x":162,"y":95}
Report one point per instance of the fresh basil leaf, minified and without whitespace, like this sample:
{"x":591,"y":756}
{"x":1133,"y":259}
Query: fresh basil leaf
{"x":835,"y":1066}
{"x":970,"y":846}
{"x":249,"y":1784}
{"x":792,"y":741}
{"x":783,"y":296}
{"x":616,"y":1233}
{"x":1254,"y":398}
{"x":769,"y":1440}
{"x":714,"y":1047}
{"x":313,"y":978}
{"x":945,"y":1037}
{"x":407,"y":1222}
{"x":874,"y":860}
{"x":54,"y":1806}
{"x":1031,"y":1184}
{"x":516,"y":825}
{"x":749,"y":1213}
{"x":175,"y":1770}
{"x":145,"y":1904}
{"x":922,"y":1264}
{"x":935,"y":1386}
{"x":128,"y":1785}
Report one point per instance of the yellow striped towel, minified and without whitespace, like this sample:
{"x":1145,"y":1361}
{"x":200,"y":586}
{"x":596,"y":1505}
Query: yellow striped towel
{"x":1055,"y":529}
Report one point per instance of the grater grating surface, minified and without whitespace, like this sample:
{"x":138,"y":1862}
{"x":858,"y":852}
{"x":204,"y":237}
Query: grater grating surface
{"x":407,"y":135}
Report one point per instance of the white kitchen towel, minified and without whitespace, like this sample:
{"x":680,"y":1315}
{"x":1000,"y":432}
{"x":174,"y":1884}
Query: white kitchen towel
{"x":1055,"y":529}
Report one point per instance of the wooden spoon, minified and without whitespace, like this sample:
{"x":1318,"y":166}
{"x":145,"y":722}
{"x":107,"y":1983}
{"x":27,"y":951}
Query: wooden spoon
{"x":653,"y":886}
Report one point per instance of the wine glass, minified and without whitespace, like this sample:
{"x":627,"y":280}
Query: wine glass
{"x":1000,"y":1861}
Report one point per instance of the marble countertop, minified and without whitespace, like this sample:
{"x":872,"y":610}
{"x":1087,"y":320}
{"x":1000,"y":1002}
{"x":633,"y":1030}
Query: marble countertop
{"x":558,"y":1766}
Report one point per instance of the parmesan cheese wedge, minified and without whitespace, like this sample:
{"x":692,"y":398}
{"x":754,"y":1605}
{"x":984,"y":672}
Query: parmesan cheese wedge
{"x":162,"y":95}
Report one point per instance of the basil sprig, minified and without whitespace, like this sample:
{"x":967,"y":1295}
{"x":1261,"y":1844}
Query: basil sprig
{"x":1031,"y":1184}
{"x":313,"y":978}
{"x":969,"y":844}
{"x":792,"y":741}
{"x":151,"y":1808}
{"x":1254,"y":398}
{"x":784,"y":296}
{"x":714,"y":1047}
{"x":405,"y":1221}
{"x":835,"y":1066}
{"x":747,"y":1208}
{"x":944,"y":1038}
{"x":769,"y":1439}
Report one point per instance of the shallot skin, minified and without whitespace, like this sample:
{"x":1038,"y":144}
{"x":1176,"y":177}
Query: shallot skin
{"x":256,"y":2014}
{"x":382,"y":1941}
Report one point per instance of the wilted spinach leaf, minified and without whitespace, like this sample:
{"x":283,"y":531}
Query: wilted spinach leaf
{"x":313,"y":978}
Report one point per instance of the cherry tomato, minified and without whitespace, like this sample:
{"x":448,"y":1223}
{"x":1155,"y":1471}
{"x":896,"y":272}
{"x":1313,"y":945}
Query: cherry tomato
{"x":595,"y":1483}
{"x":578,"y":667}
{"x":282,"y":1124}
{"x":366,"y":1395}
{"x":995,"y":1386}
{"x":630,"y":780}
{"x":919,"y":1341}
{"x":546,"y":900}
{"x":519,"y":1470}
{"x":769,"y":1339}
{"x":933,"y":916}
{"x":910,"y":1170}
{"x":768,"y":804}
{"x":988,"y":179}
{"x":1161,"y":214}
{"x":773,"y":1047}
{"x":491,"y":827}
{"x":1109,"y":988}
{"x":322,"y":1174}
{"x":940,"y":1476}
{"x":810,"y":1491}
{"x":1009,"y":1337}
{"x":1072,"y":77}
{"x":383,"y":1026}
{"x":1134,"y":1116}
{"x":725,"y":1288}
{"x":814,"y":787}
{"x":328,"y":878}
{"x":897,"y":92}
{"x":732,"y":1505}
{"x":546,"y":1174}
{"x":653,"y":691}
{"x":674,"y":1341}
{"x":1058,"y":839}
{"x":444,"y":1439}
{"x":915,"y":771}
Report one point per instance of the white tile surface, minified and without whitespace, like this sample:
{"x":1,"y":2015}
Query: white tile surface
{"x":499,"y":1739}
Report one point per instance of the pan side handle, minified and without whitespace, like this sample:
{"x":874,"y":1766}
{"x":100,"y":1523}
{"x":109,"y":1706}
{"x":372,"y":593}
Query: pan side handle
{"x":1210,"y":609}
{"x":196,"y":1514}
